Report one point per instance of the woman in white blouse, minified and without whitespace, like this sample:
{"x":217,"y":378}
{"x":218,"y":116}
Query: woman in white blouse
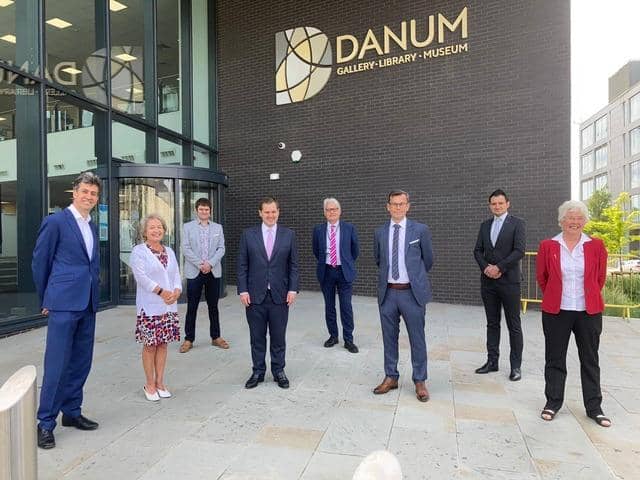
{"x":155,"y":268}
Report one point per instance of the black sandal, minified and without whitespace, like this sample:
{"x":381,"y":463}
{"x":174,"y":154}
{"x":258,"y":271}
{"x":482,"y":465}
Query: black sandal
{"x":547,"y":415}
{"x":601,"y":419}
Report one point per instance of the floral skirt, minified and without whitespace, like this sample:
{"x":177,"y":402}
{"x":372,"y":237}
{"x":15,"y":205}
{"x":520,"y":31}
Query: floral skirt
{"x":157,"y":329}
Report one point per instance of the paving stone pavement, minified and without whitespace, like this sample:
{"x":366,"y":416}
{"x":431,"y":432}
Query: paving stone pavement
{"x":474,"y":426}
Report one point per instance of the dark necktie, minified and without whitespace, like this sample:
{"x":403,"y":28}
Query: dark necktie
{"x":395,"y":270}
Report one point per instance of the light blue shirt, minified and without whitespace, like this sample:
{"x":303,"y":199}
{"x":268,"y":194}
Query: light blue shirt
{"x":402,"y":268}
{"x":496,"y":227}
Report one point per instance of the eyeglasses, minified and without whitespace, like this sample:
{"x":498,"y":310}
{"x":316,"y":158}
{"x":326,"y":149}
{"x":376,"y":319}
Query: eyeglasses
{"x":398,"y":205}
{"x":331,"y":210}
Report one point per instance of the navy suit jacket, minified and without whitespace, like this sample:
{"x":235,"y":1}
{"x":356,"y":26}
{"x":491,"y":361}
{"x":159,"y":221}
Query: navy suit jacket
{"x":506,"y":254}
{"x":349,"y":249}
{"x":418,"y":258}
{"x":256,"y":271}
{"x":64,"y":276}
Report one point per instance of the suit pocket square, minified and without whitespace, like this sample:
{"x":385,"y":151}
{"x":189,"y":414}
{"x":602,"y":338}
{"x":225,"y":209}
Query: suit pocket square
{"x":414,"y":241}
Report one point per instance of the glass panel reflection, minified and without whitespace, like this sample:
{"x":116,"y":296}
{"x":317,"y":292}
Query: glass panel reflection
{"x":169,"y":58}
{"x":201,"y":158}
{"x":18,"y":35}
{"x":128,"y":143}
{"x":200,"y":88}
{"x":169,"y":153}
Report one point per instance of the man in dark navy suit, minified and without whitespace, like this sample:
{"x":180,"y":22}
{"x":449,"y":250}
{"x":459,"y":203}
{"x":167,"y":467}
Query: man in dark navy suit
{"x":268,"y":285}
{"x":500,"y":246}
{"x":335,"y":245}
{"x":66,"y":266}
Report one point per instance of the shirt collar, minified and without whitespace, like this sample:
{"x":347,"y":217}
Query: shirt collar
{"x":200,"y":222}
{"x":265,"y":229}
{"x":77,"y":215}
{"x":337,"y":224}
{"x":402,"y":223}
{"x":501,"y":217}
{"x":583,"y":239}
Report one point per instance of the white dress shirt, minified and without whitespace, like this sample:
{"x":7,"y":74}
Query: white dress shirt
{"x":402,"y":268}
{"x":85,"y":229}
{"x":328,"y":257}
{"x":572,"y":267}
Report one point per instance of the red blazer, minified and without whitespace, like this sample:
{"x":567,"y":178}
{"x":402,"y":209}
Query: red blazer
{"x":549,"y":275}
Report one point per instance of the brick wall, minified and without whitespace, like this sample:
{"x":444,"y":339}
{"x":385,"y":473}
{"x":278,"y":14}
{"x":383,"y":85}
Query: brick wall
{"x":448,"y":130}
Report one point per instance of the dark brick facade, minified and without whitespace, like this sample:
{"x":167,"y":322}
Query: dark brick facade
{"x":448,"y":130}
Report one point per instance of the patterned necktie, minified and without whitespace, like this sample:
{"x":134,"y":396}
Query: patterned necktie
{"x":395,"y":270}
{"x":269,"y":243}
{"x":495,"y":230}
{"x":333,"y":253}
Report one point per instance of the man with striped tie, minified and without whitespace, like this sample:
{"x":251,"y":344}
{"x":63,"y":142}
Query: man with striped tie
{"x":335,"y":245}
{"x":404,"y":255}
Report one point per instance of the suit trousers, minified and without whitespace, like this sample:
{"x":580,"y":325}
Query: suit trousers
{"x":274,"y":317}
{"x":211,"y":286}
{"x":557,"y":331}
{"x":497,"y":296}
{"x":334,"y":280}
{"x":67,"y":362}
{"x":395,"y":304}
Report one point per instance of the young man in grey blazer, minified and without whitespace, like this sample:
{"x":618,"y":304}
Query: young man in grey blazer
{"x":203,"y":249}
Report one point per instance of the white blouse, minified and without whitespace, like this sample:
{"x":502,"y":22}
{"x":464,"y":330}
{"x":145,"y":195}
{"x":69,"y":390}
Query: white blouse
{"x":572,"y":267}
{"x":149,"y":274}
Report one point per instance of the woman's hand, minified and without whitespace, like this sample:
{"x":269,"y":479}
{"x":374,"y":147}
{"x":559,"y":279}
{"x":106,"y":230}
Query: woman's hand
{"x":167,"y":296}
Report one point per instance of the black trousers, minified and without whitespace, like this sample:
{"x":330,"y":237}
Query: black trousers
{"x":211,"y":286}
{"x":557,"y":331}
{"x":496,"y":297}
{"x":274,"y":317}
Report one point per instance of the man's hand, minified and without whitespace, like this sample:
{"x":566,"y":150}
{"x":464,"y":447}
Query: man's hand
{"x":45,"y":311}
{"x":205,"y":267}
{"x":245,"y":299}
{"x":492,"y":272}
{"x":291,"y":297}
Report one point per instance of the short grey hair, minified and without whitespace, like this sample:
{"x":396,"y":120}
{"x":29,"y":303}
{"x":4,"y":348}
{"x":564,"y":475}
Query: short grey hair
{"x":572,"y":205}
{"x":329,"y":200}
{"x":145,"y":221}
{"x":87,"y":177}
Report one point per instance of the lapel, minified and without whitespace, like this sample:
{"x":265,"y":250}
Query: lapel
{"x":277,"y":242}
{"x":505,"y":226}
{"x":408,"y":237}
{"x":323,"y":240}
{"x":343,"y":239}
{"x":257,"y":232}
{"x":386,"y":233}
{"x":71,"y":220}
{"x":96,"y":244}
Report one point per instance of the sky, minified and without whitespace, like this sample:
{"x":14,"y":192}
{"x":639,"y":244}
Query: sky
{"x":605,"y":35}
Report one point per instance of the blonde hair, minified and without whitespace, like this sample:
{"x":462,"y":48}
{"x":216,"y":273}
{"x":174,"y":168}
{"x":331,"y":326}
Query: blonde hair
{"x":145,"y":221}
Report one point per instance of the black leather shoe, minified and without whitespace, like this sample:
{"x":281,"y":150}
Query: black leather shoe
{"x":515,"y":375}
{"x":351,"y":347}
{"x":80,"y":422}
{"x":281,"y":379}
{"x":46,"y":439}
{"x":254,"y":380}
{"x":487,"y":367}
{"x":331,"y":341}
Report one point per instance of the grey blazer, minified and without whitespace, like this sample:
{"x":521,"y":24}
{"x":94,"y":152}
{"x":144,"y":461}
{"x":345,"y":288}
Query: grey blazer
{"x":191,"y":248}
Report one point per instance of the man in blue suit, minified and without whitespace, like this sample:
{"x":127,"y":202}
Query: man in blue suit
{"x":268,"y":285}
{"x":66,"y":266}
{"x":335,"y":245}
{"x":404,"y":255}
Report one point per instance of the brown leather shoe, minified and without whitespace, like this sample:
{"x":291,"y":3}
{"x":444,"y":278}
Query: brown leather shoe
{"x":387,"y":384}
{"x":186,"y":346}
{"x":219,"y":342}
{"x":422,"y":393}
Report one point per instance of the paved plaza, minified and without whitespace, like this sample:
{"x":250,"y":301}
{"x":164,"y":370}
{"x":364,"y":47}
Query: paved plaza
{"x":474,"y":426}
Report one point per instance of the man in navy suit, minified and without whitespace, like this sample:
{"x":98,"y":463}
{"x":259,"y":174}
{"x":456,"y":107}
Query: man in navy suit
{"x":268,"y":285}
{"x":500,"y":246}
{"x":404,"y":255}
{"x":335,"y":245}
{"x":66,"y":266}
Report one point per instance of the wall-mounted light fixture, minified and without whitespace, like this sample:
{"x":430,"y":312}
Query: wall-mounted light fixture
{"x":296,"y":155}
{"x":274,"y":176}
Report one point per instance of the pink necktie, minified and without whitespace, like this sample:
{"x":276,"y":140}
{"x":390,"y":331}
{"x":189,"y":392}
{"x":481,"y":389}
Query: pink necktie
{"x":269,"y":243}
{"x":333,"y":254}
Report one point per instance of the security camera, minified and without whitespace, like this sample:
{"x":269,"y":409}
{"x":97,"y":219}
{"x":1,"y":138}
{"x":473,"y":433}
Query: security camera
{"x":281,"y":145}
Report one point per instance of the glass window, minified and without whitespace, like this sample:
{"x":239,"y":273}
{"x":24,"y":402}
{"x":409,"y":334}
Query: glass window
{"x":588,"y":136}
{"x":587,"y":189}
{"x":634,"y":146}
{"x":128,"y":143}
{"x":601,"y":182}
{"x":18,"y":35}
{"x":634,"y":108}
{"x":75,"y":50}
{"x":127,"y":57}
{"x":635,"y":174}
{"x":602,"y":155}
{"x":169,"y":153}
{"x":587,"y":163}
{"x":635,"y":202}
{"x":19,"y":218}
{"x":201,"y":158}
{"x":169,"y":67}
{"x":602,"y":128}
{"x":201,"y":87}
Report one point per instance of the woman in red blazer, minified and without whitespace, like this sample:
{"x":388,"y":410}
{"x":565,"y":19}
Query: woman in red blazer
{"x":571,"y":269}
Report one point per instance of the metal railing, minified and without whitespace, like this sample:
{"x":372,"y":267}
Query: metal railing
{"x":622,"y":287}
{"x":18,"y":451}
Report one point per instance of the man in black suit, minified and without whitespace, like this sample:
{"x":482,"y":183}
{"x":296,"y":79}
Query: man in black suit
{"x":499,"y":248}
{"x":268,"y":285}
